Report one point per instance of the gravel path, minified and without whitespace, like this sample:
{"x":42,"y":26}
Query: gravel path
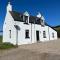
{"x":38,"y":51}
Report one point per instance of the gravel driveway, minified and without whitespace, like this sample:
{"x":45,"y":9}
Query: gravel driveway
{"x":38,"y":51}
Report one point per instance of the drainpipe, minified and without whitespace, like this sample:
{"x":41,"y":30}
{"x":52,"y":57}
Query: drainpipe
{"x":34,"y":30}
{"x":31,"y":32}
{"x":16,"y":37}
{"x":48,"y":33}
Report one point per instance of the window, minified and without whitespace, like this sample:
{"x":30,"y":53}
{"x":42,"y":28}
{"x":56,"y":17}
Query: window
{"x":26,"y":19}
{"x":10,"y":33}
{"x":38,"y":21}
{"x":27,"y":34}
{"x":53,"y":35}
{"x":44,"y":34}
{"x":42,"y":22}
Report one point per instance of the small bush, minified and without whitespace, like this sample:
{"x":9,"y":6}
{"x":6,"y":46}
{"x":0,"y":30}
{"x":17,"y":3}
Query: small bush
{"x":6,"y":45}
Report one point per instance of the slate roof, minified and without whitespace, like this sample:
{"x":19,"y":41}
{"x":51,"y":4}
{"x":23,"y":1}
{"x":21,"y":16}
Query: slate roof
{"x":19,"y":17}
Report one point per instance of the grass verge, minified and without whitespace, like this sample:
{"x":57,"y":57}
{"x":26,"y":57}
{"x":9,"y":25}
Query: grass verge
{"x":0,"y":39}
{"x":7,"y":46}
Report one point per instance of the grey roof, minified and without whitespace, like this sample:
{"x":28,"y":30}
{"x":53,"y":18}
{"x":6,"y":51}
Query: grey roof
{"x":19,"y":17}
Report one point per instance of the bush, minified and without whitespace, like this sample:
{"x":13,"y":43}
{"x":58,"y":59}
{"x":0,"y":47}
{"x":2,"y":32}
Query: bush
{"x":6,"y":45}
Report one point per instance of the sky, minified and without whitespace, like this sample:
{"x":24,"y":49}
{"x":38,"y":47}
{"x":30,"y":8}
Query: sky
{"x":50,"y":9}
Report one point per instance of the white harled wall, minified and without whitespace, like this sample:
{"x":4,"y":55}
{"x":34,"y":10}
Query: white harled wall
{"x":9,"y":25}
{"x":21,"y":33}
{"x":23,"y":27}
{"x":52,"y":31}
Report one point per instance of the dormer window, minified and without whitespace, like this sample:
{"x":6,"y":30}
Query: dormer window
{"x":26,"y":19}
{"x":38,"y":21}
{"x":42,"y":23}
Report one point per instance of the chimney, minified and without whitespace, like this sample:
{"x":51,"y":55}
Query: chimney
{"x":9,"y":7}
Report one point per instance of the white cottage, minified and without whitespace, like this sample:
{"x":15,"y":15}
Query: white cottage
{"x":22,"y":28}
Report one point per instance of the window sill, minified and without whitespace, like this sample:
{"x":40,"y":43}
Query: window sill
{"x":44,"y":37}
{"x":26,"y":23}
{"x":27,"y":37}
{"x":42,"y":25}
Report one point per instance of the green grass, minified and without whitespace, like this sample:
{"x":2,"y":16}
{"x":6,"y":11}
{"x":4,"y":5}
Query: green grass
{"x":0,"y":39}
{"x":6,"y":45}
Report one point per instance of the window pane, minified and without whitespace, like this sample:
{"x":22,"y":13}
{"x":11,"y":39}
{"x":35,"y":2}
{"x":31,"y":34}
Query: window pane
{"x":44,"y":34}
{"x":53,"y":35}
{"x":27,"y":34}
{"x":10,"y":33}
{"x":26,"y":19}
{"x":38,"y":21}
{"x":42,"y":23}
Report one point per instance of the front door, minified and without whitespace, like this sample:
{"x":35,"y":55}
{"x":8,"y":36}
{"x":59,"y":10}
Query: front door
{"x":37,"y":36}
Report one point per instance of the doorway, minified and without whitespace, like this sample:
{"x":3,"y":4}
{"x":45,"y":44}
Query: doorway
{"x":37,"y":36}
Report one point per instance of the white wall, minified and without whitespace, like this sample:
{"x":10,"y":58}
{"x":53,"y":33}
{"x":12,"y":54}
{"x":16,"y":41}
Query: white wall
{"x":21,"y":33}
{"x":45,"y":28}
{"x":9,"y":25}
{"x":52,"y":31}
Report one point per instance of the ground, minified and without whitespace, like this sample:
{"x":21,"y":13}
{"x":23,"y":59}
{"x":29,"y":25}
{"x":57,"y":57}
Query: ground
{"x":38,"y":51}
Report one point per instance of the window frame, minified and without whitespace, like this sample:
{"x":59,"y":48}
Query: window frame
{"x":44,"y":34}
{"x":53,"y":35}
{"x":38,"y":20}
{"x":26,"y":19}
{"x":27,"y":34}
{"x":10,"y":33}
{"x":42,"y":23}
